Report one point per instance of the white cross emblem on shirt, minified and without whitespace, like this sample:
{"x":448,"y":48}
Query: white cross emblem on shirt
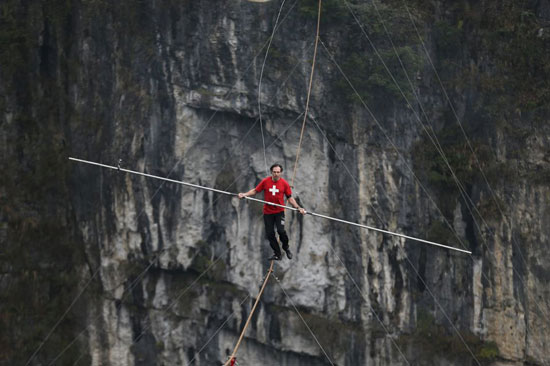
{"x":273,"y":190}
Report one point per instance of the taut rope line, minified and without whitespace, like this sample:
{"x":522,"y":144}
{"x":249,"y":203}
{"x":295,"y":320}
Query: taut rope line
{"x":273,"y":204}
{"x":251,"y":313}
{"x":260,"y":82}
{"x":308,"y":95}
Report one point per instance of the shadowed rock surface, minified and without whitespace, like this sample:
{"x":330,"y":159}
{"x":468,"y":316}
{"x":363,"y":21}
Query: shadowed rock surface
{"x":167,"y":275}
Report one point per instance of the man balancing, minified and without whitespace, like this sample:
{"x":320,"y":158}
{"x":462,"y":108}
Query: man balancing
{"x":275,"y":188}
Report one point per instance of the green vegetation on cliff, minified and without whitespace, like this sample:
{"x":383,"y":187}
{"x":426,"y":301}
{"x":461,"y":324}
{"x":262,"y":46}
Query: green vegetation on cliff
{"x":430,"y":340}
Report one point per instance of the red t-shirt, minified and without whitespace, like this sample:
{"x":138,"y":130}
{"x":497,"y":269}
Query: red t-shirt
{"x":274,"y":192}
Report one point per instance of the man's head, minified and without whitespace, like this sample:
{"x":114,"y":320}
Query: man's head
{"x":276,"y":171}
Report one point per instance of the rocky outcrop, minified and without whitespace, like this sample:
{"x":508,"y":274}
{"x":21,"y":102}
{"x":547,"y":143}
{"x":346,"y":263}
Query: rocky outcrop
{"x":169,"y":274}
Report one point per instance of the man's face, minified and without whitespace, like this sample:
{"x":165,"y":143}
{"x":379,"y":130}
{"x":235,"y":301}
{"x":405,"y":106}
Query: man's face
{"x":276,"y":173}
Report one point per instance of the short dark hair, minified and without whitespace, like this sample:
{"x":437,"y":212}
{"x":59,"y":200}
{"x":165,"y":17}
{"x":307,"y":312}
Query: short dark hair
{"x":275,"y":165}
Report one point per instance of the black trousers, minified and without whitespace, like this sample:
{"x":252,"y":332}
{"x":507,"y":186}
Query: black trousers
{"x":276,"y":220}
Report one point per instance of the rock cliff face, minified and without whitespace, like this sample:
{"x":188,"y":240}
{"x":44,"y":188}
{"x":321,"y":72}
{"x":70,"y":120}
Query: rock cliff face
{"x":163,"y":274}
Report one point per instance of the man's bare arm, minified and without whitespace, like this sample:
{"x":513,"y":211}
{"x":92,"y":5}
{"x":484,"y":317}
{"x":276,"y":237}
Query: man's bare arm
{"x":294,"y":204}
{"x":252,"y":192}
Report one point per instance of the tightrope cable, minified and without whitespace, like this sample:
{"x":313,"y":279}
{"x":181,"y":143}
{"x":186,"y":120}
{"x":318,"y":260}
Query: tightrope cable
{"x":270,"y":270}
{"x":308,"y":94}
{"x":260,"y":82}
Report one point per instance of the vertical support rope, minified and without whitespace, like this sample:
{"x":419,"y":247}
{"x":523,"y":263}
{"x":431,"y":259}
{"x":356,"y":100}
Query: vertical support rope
{"x":260,"y":82}
{"x":250,"y":316}
{"x":308,"y":95}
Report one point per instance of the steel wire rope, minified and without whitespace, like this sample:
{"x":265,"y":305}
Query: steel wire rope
{"x":451,"y":105}
{"x":431,"y":294}
{"x":260,"y":82}
{"x":221,"y":254}
{"x":303,"y":320}
{"x":132,"y":285}
{"x":126,"y":292}
{"x":469,"y":203}
{"x":435,"y":141}
{"x":443,"y":311}
{"x":368,"y":302}
{"x":392,"y":143}
{"x":492,"y":253}
{"x":272,"y":204}
{"x":357,"y":183}
{"x":78,"y":359}
{"x":308,"y":94}
{"x":493,"y":194}
{"x":214,"y":263}
{"x":152,"y":259}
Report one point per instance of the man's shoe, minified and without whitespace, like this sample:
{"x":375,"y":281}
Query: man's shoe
{"x":288,"y":253}
{"x":274,"y":257}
